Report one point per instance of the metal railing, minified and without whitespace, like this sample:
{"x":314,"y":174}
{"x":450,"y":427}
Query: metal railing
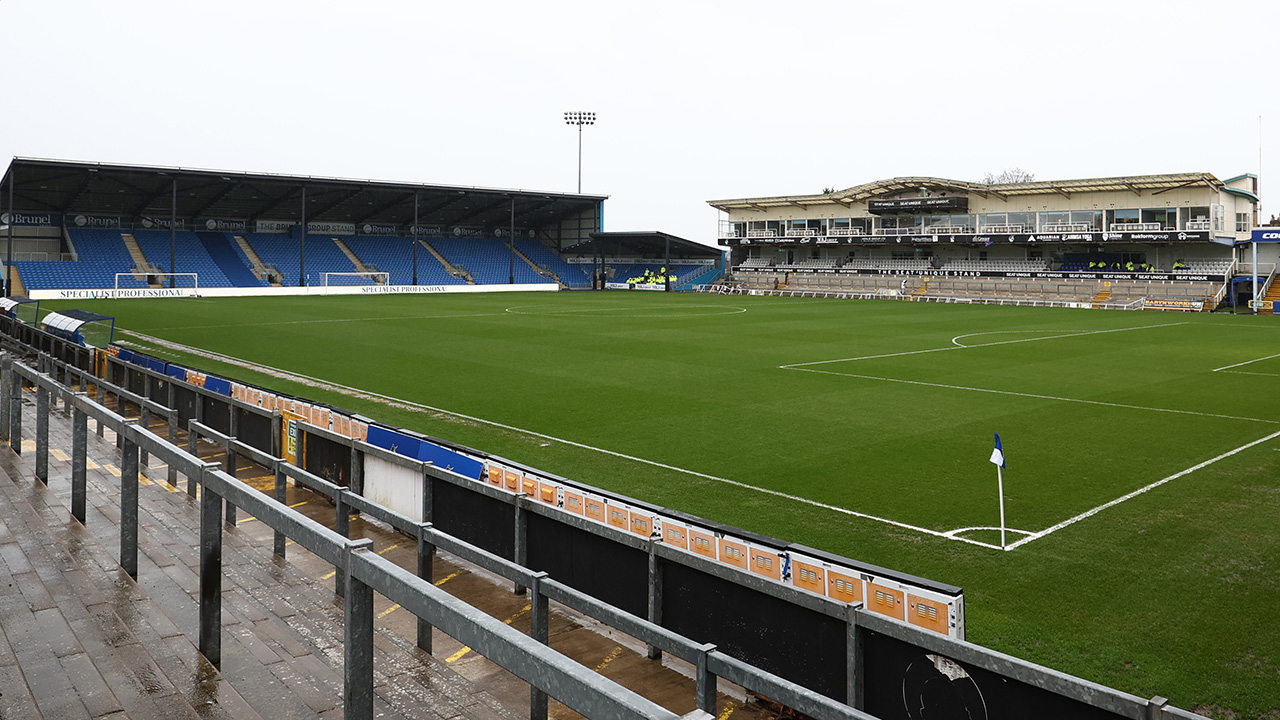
{"x":361,"y":572}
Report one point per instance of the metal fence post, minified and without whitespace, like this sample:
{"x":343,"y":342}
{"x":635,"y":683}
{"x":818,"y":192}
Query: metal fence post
{"x":193,"y":447}
{"x":341,"y":525}
{"x":653,"y":652}
{"x":426,"y":552}
{"x":145,"y":458}
{"x":102,"y":398}
{"x":15,"y":413}
{"x":540,"y":630}
{"x":282,"y":487}
{"x":6,"y":372}
{"x":42,"y":433}
{"x":426,"y":571}
{"x":853,"y":658}
{"x":173,"y":430}
{"x":706,"y":681}
{"x":79,"y":462}
{"x":277,"y":449}
{"x":231,"y":462}
{"x":1155,"y":708}
{"x":357,"y":645}
{"x":357,"y":470}
{"x":210,"y":571}
{"x":521,"y":550}
{"x":129,"y":502}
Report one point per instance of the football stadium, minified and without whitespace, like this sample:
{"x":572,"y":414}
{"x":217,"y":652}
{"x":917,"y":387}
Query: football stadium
{"x":916,"y":448}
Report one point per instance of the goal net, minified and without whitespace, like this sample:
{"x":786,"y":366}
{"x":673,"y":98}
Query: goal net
{"x":187,"y":280}
{"x":342,"y":279}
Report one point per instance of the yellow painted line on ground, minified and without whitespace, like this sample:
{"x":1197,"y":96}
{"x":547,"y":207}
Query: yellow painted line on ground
{"x":115,"y":471}
{"x":388,"y":611}
{"x":304,"y":502}
{"x":613,"y":655}
{"x":91,"y":465}
{"x":59,"y":455}
{"x":142,"y":479}
{"x":287,"y":543}
{"x":448,"y":577}
{"x":329,"y":575}
{"x":383,"y":551}
{"x":459,"y":655}
{"x":729,"y":707}
{"x":28,"y":446}
{"x":242,"y":521}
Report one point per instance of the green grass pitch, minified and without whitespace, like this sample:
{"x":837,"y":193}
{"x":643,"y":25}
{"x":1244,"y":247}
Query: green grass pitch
{"x":871,"y":424}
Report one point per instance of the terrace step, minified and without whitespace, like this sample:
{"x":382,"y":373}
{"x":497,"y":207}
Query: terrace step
{"x":282,"y":632}
{"x":351,"y":255}
{"x":1273,"y":295}
{"x":259,"y":268}
{"x":543,"y":271}
{"x":452,"y":269}
{"x":1102,"y":296}
{"x":139,"y":260}
{"x":18,"y":287}
{"x":65,"y":633}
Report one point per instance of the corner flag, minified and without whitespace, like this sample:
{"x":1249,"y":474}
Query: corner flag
{"x":997,"y":458}
{"x":997,"y":455}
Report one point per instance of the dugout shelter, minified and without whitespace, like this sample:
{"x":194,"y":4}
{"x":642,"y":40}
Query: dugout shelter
{"x":619,"y":259}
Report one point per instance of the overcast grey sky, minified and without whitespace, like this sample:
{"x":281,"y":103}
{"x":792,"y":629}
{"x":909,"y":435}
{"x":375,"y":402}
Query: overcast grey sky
{"x":695,"y":100}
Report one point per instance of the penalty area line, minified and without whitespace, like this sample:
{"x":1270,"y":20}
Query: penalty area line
{"x":1090,"y":513}
{"x":387,"y":399}
{"x":1248,"y":362}
{"x":958,"y":346}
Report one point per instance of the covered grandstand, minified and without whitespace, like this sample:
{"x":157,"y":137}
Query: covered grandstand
{"x":1164,"y":242}
{"x":75,"y":226}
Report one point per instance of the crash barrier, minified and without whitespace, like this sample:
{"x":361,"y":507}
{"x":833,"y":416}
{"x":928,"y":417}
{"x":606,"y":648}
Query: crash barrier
{"x":855,"y":653}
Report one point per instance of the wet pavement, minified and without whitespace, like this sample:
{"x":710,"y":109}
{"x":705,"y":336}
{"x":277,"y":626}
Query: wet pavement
{"x":82,"y":639}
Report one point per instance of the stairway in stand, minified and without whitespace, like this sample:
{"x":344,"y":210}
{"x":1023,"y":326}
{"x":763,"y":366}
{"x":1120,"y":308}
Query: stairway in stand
{"x":18,"y":287}
{"x":140,"y":260}
{"x":218,"y":245}
{"x":1101,"y":297}
{"x":259,"y":268}
{"x":1273,"y":295}
{"x":449,"y":267}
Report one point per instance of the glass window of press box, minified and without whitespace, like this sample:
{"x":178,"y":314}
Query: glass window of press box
{"x":1166,"y":218}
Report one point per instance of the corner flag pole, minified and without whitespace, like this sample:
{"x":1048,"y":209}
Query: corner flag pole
{"x":997,"y":457}
{"x":1000,"y":485}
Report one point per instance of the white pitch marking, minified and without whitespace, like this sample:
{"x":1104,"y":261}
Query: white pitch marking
{"x":325,"y":320}
{"x":957,"y":531}
{"x":728,"y":310}
{"x":1033,"y":395}
{"x":962,"y":347}
{"x":954,"y":340}
{"x":1139,"y":491}
{"x":1243,"y":372}
{"x":1248,"y":362}
{"x":357,"y":392}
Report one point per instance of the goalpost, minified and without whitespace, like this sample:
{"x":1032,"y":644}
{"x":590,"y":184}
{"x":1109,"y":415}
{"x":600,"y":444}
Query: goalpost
{"x":185,"y":280}
{"x":340,"y":279}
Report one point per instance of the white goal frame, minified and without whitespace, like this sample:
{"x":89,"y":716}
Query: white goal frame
{"x":163,"y":278}
{"x":372,"y":275}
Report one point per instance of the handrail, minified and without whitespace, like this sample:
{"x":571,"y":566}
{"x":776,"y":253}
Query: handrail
{"x":546,"y":669}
